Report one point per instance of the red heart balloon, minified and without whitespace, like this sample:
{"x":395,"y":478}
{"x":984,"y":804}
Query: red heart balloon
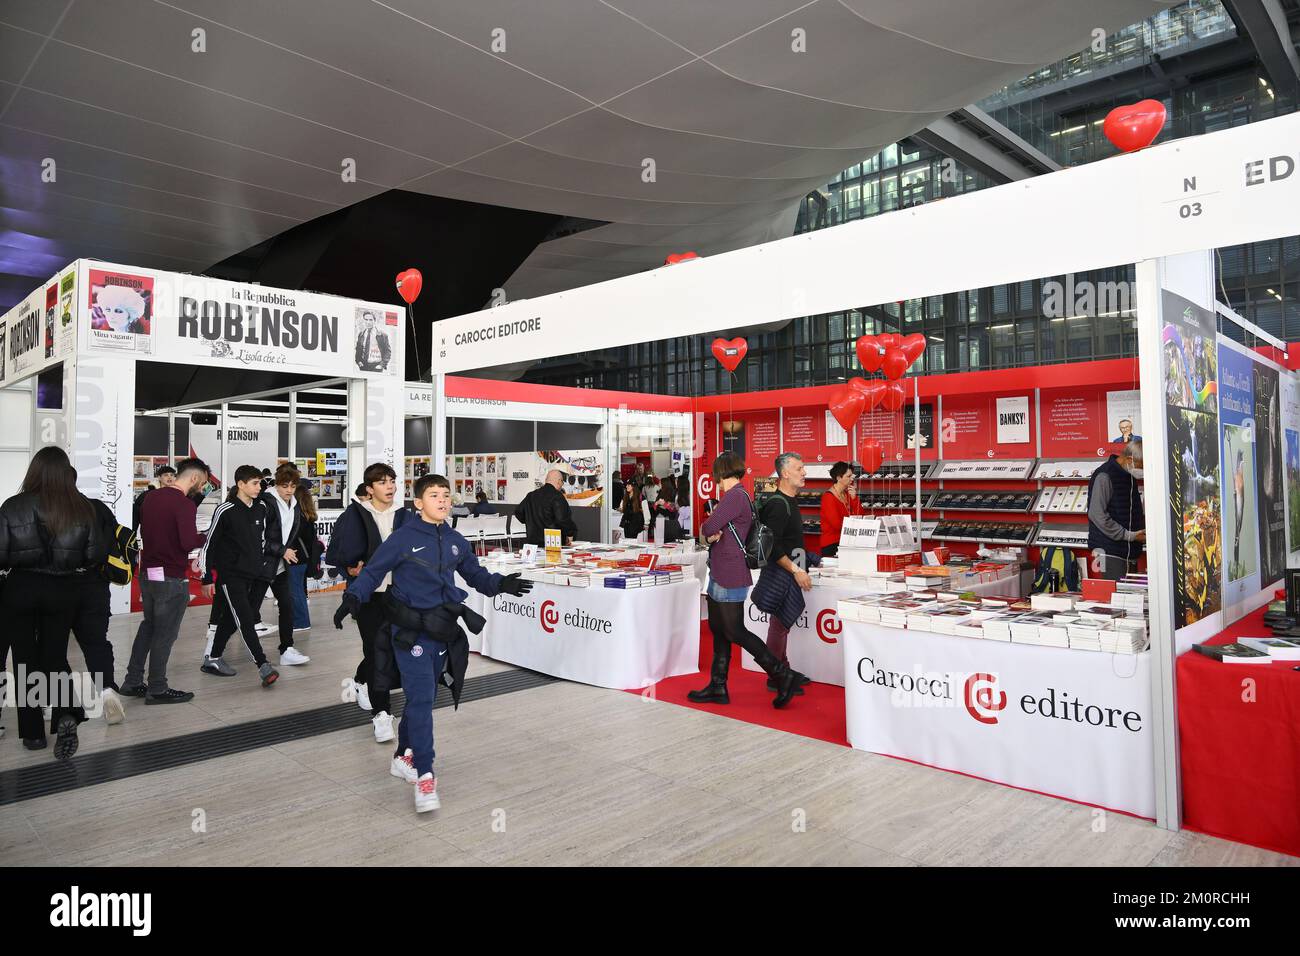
{"x":894,"y":396}
{"x":1135,"y":126}
{"x":870,"y":354}
{"x":872,"y":391}
{"x":730,"y":354}
{"x":846,"y":405}
{"x":889,"y":340}
{"x":895,"y":363}
{"x":677,"y":257}
{"x":913,"y":346}
{"x":409,"y":284}
{"x":872,"y":454}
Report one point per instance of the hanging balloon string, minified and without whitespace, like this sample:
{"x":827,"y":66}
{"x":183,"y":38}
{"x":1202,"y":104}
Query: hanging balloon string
{"x":409,"y":284}
{"x":730,"y":353}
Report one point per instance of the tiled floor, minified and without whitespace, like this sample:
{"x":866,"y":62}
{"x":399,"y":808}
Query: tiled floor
{"x":561,"y":774}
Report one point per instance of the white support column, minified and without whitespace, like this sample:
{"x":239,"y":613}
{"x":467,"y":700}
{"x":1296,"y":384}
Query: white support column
{"x":438,"y":432}
{"x":227,"y":469}
{"x":356,"y":436}
{"x":1164,"y":697}
{"x":293,"y":426}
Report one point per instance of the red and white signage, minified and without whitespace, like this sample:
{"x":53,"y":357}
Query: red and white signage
{"x":1004,"y":712}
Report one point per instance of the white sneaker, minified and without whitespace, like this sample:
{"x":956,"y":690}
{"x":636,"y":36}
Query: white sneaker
{"x":299,"y":630}
{"x":291,"y":655}
{"x":404,"y":768}
{"x":426,"y":794}
{"x":383,"y":727}
{"x":263,"y":629}
{"x":114,"y":712}
{"x":363,"y":698}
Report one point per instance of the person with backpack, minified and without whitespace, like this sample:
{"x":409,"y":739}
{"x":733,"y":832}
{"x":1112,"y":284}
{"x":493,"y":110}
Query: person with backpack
{"x":358,"y":533}
{"x":726,"y":529}
{"x":286,"y":547}
{"x":781,"y":583}
{"x":90,"y":626}
{"x":53,"y":542}
{"x":236,"y":551}
{"x":1116,"y":519}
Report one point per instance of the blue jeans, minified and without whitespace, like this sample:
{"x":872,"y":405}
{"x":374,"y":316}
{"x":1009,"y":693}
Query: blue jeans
{"x":298,"y":590}
{"x":726,"y":595}
{"x":421,"y":666}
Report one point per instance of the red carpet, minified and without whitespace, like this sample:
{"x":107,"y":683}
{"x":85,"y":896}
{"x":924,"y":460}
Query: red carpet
{"x":819,"y":713}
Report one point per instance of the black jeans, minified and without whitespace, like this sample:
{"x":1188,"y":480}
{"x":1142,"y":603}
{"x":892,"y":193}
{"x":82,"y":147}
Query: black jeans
{"x":378,"y":668}
{"x":39,"y":610}
{"x":90,"y":628}
{"x":282,"y":589}
{"x":237,"y":613}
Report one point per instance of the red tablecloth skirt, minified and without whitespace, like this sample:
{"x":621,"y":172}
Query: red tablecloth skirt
{"x":1239,"y":728}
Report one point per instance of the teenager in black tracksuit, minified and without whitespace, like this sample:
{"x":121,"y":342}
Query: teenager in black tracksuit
{"x":236,"y":550}
{"x":284,"y":547}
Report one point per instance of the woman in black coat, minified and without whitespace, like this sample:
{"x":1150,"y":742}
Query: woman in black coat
{"x":53,"y":544}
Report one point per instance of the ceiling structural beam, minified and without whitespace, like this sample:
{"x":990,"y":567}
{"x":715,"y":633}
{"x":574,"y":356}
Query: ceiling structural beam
{"x":1264,"y":22}
{"x":971,"y":136}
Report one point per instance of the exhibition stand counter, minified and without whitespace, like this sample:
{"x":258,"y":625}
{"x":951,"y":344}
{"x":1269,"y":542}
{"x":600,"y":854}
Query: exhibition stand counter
{"x":1239,"y":730}
{"x":1067,"y":723}
{"x":607,"y":637}
{"x":815,"y":645}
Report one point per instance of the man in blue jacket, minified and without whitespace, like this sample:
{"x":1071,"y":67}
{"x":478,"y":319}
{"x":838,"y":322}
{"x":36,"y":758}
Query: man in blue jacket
{"x":423,"y":611}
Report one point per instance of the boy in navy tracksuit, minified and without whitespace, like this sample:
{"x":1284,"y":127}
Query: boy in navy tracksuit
{"x":423,"y":613}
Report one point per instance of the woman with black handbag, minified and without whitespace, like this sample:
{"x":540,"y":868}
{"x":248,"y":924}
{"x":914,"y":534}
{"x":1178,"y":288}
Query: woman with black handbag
{"x":727,"y":529}
{"x":54,"y":543}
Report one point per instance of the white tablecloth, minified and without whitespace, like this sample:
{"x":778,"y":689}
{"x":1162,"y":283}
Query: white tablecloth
{"x":1072,"y":724}
{"x":602,"y":636}
{"x":814,"y":645}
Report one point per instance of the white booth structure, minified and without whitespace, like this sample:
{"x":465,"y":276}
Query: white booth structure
{"x":1163,"y":209}
{"x":92,"y":327}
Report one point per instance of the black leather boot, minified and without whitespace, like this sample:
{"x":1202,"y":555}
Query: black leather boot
{"x":716,"y":692}
{"x":787,"y":681}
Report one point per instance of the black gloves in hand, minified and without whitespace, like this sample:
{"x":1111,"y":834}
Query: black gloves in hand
{"x":348,"y":607}
{"x":514,"y":584}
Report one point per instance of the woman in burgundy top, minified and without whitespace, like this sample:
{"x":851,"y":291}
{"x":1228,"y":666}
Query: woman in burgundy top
{"x":729,"y":583}
{"x":837,"y":504}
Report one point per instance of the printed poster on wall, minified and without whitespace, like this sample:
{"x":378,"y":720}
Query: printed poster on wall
{"x":1124,"y":416}
{"x":250,"y":440}
{"x":175,"y":317}
{"x":121,"y":306}
{"x":33,"y":335}
{"x":1189,"y":367}
{"x":922,"y":437}
{"x":1291,"y":445}
{"x":1239,"y":491}
{"x":1268,"y":473}
{"x":583,"y":472}
{"x":1013,"y":420}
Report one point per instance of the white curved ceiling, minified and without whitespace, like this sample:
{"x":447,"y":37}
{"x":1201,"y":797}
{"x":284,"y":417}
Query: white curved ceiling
{"x":173,"y":158}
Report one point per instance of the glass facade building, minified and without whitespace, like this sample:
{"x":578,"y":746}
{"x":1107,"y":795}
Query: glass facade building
{"x":1058,"y":109}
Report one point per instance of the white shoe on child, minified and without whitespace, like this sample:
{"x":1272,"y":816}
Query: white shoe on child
{"x":426,"y":794}
{"x":383,"y":727}
{"x":404,"y":768}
